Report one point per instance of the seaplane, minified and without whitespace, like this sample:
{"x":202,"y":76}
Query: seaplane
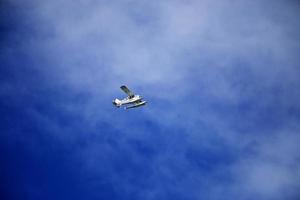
{"x":133,"y":100}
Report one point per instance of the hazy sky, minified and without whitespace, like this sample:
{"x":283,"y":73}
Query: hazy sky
{"x":222,"y":83}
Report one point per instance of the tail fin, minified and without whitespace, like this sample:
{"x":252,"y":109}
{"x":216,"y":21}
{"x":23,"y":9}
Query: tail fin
{"x":117,"y":102}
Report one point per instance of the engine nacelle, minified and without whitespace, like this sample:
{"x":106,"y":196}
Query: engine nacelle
{"x":117,"y":102}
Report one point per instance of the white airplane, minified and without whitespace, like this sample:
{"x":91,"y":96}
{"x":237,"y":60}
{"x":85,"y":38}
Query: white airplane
{"x":133,"y":99}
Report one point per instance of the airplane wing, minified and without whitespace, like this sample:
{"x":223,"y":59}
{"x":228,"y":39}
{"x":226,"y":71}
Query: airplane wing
{"x":127,"y":91}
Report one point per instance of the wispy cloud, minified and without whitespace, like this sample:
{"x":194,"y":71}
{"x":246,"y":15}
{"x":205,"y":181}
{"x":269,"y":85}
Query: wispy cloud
{"x":221,"y":79}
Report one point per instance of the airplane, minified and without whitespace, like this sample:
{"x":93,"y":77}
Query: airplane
{"x":133,"y":99}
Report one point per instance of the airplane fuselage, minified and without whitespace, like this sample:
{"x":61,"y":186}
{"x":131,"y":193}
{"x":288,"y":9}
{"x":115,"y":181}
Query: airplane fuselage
{"x":128,"y":100}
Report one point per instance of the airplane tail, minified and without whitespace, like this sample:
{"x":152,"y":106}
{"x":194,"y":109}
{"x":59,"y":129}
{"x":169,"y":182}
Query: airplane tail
{"x":117,"y":102}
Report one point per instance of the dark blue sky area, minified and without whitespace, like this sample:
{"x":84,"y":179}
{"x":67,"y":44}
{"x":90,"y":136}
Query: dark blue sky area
{"x":221,"y":79}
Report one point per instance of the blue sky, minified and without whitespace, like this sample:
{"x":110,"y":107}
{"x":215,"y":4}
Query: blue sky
{"x":221,"y":79}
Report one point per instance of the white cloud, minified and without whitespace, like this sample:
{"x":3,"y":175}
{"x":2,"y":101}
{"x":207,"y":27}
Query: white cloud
{"x":187,"y":57}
